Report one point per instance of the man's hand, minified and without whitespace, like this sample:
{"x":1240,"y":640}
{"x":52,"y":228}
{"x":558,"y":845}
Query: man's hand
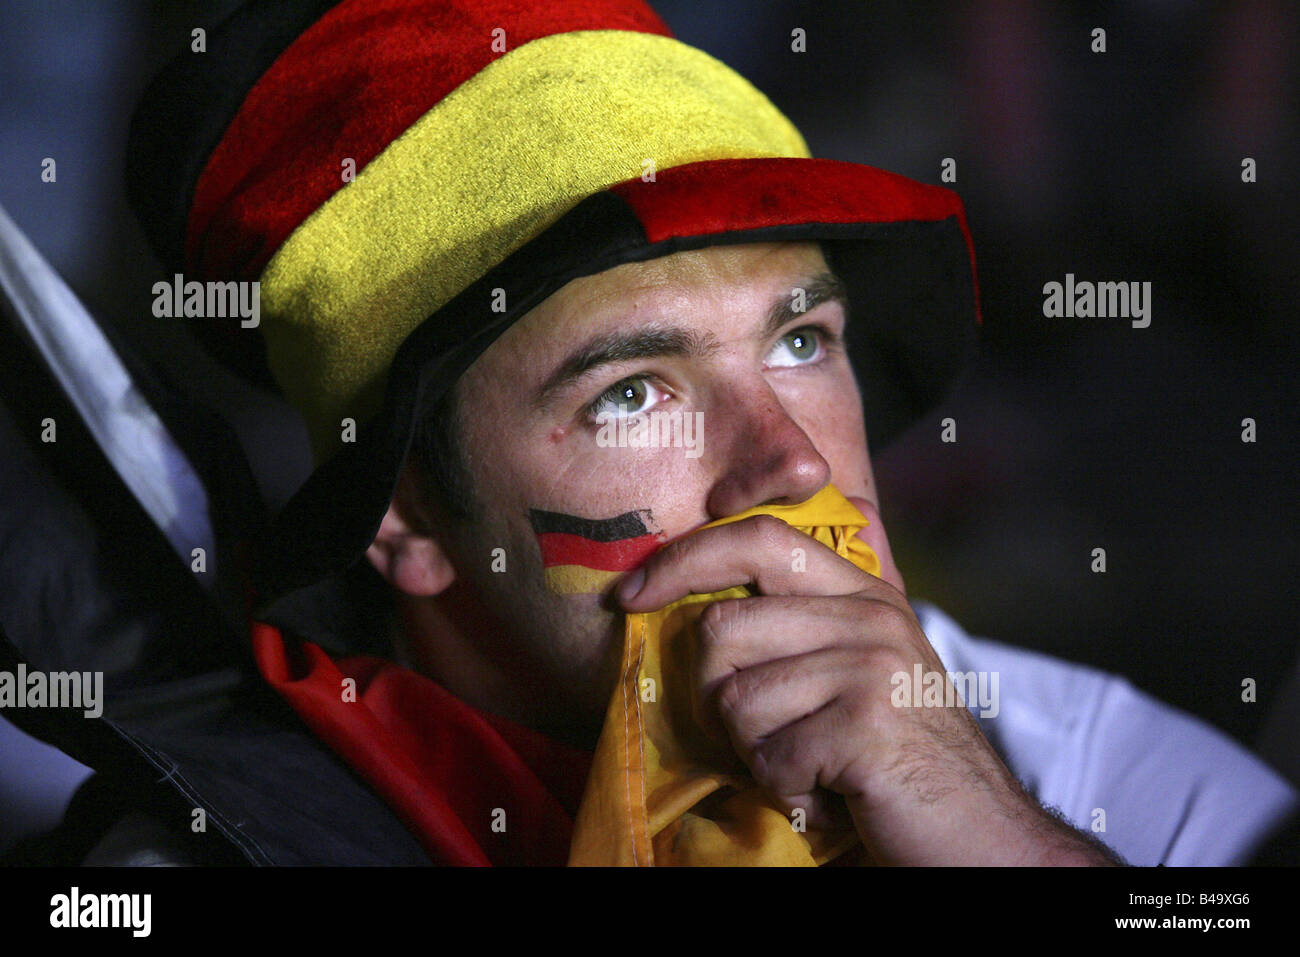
{"x":798,"y":678}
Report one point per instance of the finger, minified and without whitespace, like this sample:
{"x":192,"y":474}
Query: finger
{"x":820,"y":810}
{"x":758,"y":551}
{"x":757,"y":702}
{"x":738,"y":633}
{"x":875,"y":536}
{"x":802,"y":760}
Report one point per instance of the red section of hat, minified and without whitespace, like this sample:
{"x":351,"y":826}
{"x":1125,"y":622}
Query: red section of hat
{"x":722,"y":196}
{"x":346,"y":88}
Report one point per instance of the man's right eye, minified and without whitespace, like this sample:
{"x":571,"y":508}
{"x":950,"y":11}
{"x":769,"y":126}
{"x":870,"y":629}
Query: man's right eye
{"x":625,"y":397}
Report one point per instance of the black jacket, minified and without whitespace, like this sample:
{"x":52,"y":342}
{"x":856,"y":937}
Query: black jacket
{"x":88,"y":583}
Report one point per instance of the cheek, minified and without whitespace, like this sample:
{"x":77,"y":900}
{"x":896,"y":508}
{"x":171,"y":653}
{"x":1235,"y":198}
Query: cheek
{"x":583,"y":556}
{"x":844,"y":436}
{"x":566,"y":469}
{"x":832,"y":418}
{"x":598,"y":477}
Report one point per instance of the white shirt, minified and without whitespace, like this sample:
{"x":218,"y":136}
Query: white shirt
{"x":1173,"y":790}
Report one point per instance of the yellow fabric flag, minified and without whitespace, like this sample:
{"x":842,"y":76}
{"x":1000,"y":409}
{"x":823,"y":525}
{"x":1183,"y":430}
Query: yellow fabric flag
{"x":662,"y":793}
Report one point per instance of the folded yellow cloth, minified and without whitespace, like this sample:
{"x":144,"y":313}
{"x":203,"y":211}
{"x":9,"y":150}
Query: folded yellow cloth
{"x":660,"y":792}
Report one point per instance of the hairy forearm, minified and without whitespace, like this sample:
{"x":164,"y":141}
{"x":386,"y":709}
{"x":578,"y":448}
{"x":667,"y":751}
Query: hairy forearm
{"x":1077,"y":848}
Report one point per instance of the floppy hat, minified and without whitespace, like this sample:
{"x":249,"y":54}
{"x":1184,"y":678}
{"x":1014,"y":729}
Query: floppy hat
{"x":406,"y":178}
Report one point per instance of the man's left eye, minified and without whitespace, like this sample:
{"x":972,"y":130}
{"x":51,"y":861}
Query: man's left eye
{"x":796,"y":348}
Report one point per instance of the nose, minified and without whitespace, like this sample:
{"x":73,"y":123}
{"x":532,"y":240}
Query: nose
{"x":765,"y":458}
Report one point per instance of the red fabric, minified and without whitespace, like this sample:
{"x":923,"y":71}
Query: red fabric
{"x":347,"y":87}
{"x":723,"y":196}
{"x":441,"y":765}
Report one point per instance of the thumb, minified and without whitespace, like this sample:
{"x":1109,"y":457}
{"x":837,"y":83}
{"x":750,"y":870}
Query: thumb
{"x":874,"y":535}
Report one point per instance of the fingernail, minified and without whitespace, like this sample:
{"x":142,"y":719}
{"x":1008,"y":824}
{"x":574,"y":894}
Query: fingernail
{"x":628,"y":588}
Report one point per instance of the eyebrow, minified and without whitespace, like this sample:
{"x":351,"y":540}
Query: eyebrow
{"x":825,"y":287}
{"x":676,"y":341}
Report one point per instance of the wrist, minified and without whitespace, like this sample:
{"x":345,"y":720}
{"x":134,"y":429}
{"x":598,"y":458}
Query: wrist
{"x":1055,"y":843}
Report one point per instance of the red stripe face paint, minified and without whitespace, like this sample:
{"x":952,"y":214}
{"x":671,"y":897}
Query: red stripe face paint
{"x":583,"y":555}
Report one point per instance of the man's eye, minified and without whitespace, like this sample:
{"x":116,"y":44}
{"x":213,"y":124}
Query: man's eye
{"x":626,"y":397}
{"x":797,"y":348}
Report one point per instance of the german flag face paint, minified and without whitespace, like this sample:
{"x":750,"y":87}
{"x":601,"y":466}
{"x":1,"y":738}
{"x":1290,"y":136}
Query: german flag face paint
{"x":583,"y":556}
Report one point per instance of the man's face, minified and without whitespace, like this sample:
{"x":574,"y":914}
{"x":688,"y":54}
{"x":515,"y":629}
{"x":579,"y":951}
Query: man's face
{"x":715,"y":336}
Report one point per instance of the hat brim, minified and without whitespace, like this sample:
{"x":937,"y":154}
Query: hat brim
{"x":902,"y":249}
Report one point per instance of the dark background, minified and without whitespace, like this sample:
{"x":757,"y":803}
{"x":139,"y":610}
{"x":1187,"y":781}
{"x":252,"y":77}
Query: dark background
{"x":1072,"y":433}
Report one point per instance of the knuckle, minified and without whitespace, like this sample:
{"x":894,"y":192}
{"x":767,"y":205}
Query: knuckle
{"x":785,"y":766}
{"x":731,"y":697}
{"x":767,"y":531}
{"x":767,"y":763}
{"x":872,"y":706}
{"x":886,"y":660}
{"x":673,"y":552}
{"x":718,"y":622}
{"x":886,"y":615}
